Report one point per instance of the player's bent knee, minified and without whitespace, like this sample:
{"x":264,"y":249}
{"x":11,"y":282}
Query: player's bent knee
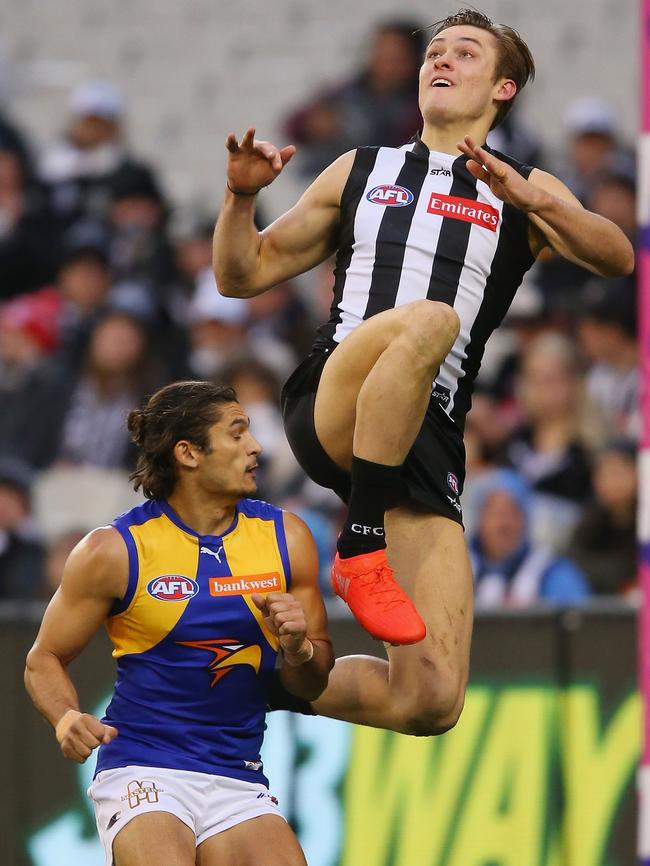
{"x":434,"y":323}
{"x":431,"y":721}
{"x":433,"y":711}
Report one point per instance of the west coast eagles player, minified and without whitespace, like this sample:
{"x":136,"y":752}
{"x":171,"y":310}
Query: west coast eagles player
{"x":200,"y":588}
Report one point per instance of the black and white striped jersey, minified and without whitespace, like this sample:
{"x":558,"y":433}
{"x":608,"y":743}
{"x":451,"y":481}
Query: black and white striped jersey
{"x":416,"y":224}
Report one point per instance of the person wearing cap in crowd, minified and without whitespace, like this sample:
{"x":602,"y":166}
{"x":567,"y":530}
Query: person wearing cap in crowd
{"x":78,"y":167}
{"x":32,"y":385}
{"x":509,"y":569}
{"x":594,"y":152}
{"x":21,"y":553}
{"x":607,"y":333}
{"x":593,"y":143}
{"x":218,"y":329}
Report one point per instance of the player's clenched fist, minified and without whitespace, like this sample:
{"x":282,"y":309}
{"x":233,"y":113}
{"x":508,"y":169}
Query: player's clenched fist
{"x":285,"y":618}
{"x":79,"y":733}
{"x":253,"y":164}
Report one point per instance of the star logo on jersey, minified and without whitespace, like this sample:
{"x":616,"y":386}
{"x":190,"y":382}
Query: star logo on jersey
{"x":227,"y":653}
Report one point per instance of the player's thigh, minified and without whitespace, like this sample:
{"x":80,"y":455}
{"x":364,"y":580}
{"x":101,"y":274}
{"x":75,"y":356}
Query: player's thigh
{"x":263,"y":841}
{"x":344,"y":373}
{"x":155,"y":837}
{"x":429,"y":555}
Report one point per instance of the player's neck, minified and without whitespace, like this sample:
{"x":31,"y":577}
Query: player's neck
{"x":444,"y":138}
{"x":205,"y":514}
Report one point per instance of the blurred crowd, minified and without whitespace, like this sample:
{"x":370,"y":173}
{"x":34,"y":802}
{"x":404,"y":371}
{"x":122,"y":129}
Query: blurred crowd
{"x":107,"y":292}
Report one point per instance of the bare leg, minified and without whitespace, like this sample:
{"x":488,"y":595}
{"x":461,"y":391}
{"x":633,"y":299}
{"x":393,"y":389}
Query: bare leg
{"x":155,"y":837}
{"x":380,"y":378}
{"x":265,"y":840}
{"x":420,"y":690}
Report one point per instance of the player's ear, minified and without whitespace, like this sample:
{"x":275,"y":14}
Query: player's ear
{"x":187,"y":453}
{"x":505,"y":89}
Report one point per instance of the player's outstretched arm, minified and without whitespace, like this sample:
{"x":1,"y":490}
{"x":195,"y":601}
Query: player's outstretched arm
{"x":299,"y":618}
{"x":557,"y":218}
{"x":247,"y":262}
{"x":95,"y":574}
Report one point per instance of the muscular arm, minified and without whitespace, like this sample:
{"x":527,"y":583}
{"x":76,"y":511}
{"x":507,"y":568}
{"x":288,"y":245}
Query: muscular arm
{"x":556,"y":216}
{"x":95,"y":574}
{"x":299,"y":618}
{"x":577,"y":234}
{"x":247,"y":262}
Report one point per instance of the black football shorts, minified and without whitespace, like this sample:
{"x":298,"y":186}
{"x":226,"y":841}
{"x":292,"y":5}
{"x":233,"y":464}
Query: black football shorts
{"x":434,"y":469}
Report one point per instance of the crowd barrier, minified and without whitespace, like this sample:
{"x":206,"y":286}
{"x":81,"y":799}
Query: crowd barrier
{"x":540,"y":771}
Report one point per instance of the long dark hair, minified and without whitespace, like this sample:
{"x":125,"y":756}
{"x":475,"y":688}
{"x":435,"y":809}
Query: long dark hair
{"x":182,"y":410}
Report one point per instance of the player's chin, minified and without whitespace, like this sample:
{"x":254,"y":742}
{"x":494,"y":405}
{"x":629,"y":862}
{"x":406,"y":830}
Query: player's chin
{"x":250,"y":484}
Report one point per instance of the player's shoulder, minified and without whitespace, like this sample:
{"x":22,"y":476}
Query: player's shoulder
{"x":259,"y":508}
{"x":522,"y":167}
{"x":294,"y":527}
{"x":150,"y":509}
{"x":99,"y":562}
{"x":101,"y":544}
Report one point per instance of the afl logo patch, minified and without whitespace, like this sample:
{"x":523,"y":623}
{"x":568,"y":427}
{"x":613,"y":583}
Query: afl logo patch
{"x":452,"y":481}
{"x":390,"y":196}
{"x":172,"y":587}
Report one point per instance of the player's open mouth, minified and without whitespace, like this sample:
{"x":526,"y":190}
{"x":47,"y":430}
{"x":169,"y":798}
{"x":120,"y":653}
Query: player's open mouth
{"x":441,"y":82}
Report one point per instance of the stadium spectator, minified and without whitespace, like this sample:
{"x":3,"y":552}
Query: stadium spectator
{"x":117,"y":374}
{"x":84,"y":282}
{"x":21,"y":553}
{"x":551,"y":448}
{"x":281,"y":316}
{"x":32,"y":387}
{"x":11,"y":138}
{"x":378,"y":106}
{"x":28,"y":235}
{"x":56,"y":554}
{"x":607,"y":334}
{"x":510,"y":570}
{"x":219,"y":335}
{"x":594,"y":152}
{"x":604,"y":544}
{"x":258,"y":388}
{"x":593,"y":144}
{"x":139,"y":247}
{"x":217,"y":328}
{"x":613,"y":196}
{"x":79,"y":167}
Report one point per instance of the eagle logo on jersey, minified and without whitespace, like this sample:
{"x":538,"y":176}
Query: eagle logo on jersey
{"x":228,"y":653}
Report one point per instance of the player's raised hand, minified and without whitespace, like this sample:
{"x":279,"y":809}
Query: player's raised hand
{"x":254,"y":164}
{"x":506,"y":183}
{"x":285,"y":618}
{"x":79,"y":733}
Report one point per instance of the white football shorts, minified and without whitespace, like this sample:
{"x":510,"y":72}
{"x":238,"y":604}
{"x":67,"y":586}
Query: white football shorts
{"x":207,"y":804}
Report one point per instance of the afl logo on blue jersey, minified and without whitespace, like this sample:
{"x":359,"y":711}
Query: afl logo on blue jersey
{"x":172,"y":587}
{"x":390,"y":196}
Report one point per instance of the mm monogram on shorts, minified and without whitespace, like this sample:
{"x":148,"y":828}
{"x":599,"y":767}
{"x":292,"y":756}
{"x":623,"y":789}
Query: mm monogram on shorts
{"x":141,"y":792}
{"x":465,"y":209}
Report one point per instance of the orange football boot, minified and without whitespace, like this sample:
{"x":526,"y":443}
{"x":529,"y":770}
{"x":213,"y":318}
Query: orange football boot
{"x":367,"y":583}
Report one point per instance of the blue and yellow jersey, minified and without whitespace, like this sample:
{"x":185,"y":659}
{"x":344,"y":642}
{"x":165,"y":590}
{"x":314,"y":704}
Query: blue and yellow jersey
{"x":194,"y":657}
